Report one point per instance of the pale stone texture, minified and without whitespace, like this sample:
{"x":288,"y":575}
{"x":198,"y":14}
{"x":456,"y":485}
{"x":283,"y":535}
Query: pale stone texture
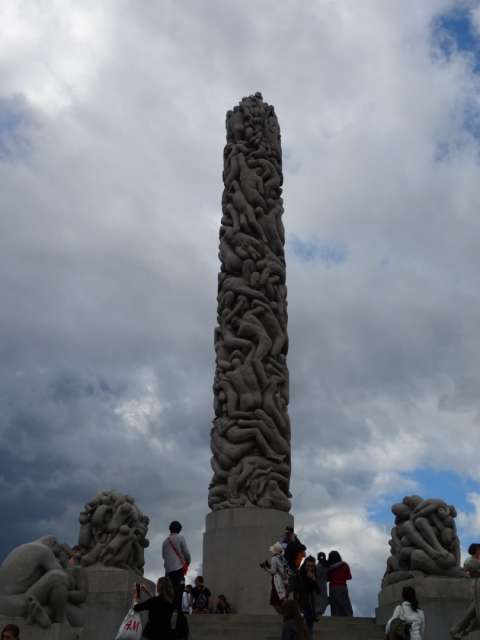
{"x":113,"y":532}
{"x":424,"y":539}
{"x":234,"y":544}
{"x":54,"y":632}
{"x":251,"y":430}
{"x":109,"y":599}
{"x":444,"y":601}
{"x":268,"y":627}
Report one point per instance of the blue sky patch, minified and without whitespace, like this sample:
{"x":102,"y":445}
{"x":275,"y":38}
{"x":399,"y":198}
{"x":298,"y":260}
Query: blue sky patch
{"x":14,"y":118}
{"x":430,"y":483}
{"x":314,"y":251}
{"x":454,"y":32}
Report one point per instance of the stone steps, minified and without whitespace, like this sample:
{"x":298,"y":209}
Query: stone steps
{"x":268,"y":627}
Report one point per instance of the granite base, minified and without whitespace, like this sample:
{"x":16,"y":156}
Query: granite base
{"x":235,"y":542}
{"x":55,"y":632}
{"x":109,"y":599}
{"x":443,"y":600}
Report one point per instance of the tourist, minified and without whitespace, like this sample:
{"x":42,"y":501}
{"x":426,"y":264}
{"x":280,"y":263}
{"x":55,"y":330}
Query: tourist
{"x":10,"y":632}
{"x":294,"y":550}
{"x":276,"y":568}
{"x":200,"y":597}
{"x":187,"y":600}
{"x":294,"y":627}
{"x":75,"y":559}
{"x":338,"y":573}
{"x":470,"y":619}
{"x":223,"y":606}
{"x":410,"y":613}
{"x":321,"y":598}
{"x":176,"y":558}
{"x":305,"y":590}
{"x":160,"y":610}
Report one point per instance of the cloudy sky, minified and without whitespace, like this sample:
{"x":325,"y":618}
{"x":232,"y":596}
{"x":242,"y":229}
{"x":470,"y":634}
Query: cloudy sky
{"x":111,"y":139}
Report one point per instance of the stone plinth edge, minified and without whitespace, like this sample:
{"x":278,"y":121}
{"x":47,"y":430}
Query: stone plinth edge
{"x":235,"y":542}
{"x":55,"y":632}
{"x":109,"y":599}
{"x":444,"y":601}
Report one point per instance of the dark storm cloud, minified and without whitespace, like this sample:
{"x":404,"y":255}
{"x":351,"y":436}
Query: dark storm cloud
{"x":113,"y":117}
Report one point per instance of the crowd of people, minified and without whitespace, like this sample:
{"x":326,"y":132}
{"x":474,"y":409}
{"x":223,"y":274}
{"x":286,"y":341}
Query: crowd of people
{"x":173,"y":597}
{"x":302,"y":586}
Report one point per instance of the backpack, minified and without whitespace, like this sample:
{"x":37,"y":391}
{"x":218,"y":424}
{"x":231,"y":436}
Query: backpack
{"x":399,"y":629}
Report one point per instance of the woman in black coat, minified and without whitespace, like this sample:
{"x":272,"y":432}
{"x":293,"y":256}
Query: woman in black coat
{"x":160,"y":610}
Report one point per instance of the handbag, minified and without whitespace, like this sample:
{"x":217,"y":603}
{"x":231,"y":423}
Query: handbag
{"x":399,"y":628}
{"x":180,"y":557}
{"x":131,"y":627}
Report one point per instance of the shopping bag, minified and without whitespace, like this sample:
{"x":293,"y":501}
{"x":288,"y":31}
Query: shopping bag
{"x":131,"y":627}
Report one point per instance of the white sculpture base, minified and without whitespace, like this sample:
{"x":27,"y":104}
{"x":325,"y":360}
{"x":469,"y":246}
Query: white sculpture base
{"x":234,"y":544}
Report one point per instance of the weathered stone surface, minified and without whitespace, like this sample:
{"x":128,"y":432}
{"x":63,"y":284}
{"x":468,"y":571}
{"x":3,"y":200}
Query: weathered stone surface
{"x":109,"y":599}
{"x":268,"y":627}
{"x":234,"y":544}
{"x":424,"y":540}
{"x":113,"y":532}
{"x":54,"y":632}
{"x":443,"y":600}
{"x":37,"y":585}
{"x":251,"y":430}
{"x":470,"y":620}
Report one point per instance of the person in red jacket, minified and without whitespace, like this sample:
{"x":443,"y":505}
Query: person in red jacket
{"x":338,"y":573}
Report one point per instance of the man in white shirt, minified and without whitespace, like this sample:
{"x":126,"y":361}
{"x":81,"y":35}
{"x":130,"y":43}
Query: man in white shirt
{"x":176,"y":558}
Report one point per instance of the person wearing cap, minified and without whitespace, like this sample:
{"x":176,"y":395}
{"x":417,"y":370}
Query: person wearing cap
{"x":278,"y":594}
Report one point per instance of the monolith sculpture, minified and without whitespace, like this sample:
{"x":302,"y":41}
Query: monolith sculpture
{"x":249,"y":492}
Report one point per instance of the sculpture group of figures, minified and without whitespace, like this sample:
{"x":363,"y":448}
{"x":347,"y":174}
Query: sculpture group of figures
{"x":37,"y":583}
{"x":424,"y":540}
{"x":45,"y":582}
{"x":251,"y":430}
{"x":113,"y":532}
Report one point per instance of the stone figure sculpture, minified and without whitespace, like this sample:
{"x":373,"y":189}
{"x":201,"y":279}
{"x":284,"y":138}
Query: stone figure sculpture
{"x":423,"y":541}
{"x":38,"y":584}
{"x":250,"y":438}
{"x":113,"y":532}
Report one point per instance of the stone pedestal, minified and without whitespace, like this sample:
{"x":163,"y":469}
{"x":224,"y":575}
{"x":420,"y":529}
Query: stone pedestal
{"x":475,"y":635}
{"x":109,"y":599}
{"x":444,"y":601}
{"x":55,"y":632}
{"x":234,"y":544}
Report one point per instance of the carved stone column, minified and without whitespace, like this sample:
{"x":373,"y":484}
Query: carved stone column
{"x":250,"y":437}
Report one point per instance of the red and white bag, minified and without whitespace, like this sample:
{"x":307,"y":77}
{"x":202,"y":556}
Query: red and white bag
{"x":131,"y":627}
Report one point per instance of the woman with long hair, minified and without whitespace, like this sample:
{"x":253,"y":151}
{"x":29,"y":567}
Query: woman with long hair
{"x":410,"y":613}
{"x":160,"y":610}
{"x":338,"y":573}
{"x":294,"y":627}
{"x":306,"y":591}
{"x":321,"y":598}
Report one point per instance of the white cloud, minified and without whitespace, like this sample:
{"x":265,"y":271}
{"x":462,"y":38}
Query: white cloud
{"x":108,"y":227}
